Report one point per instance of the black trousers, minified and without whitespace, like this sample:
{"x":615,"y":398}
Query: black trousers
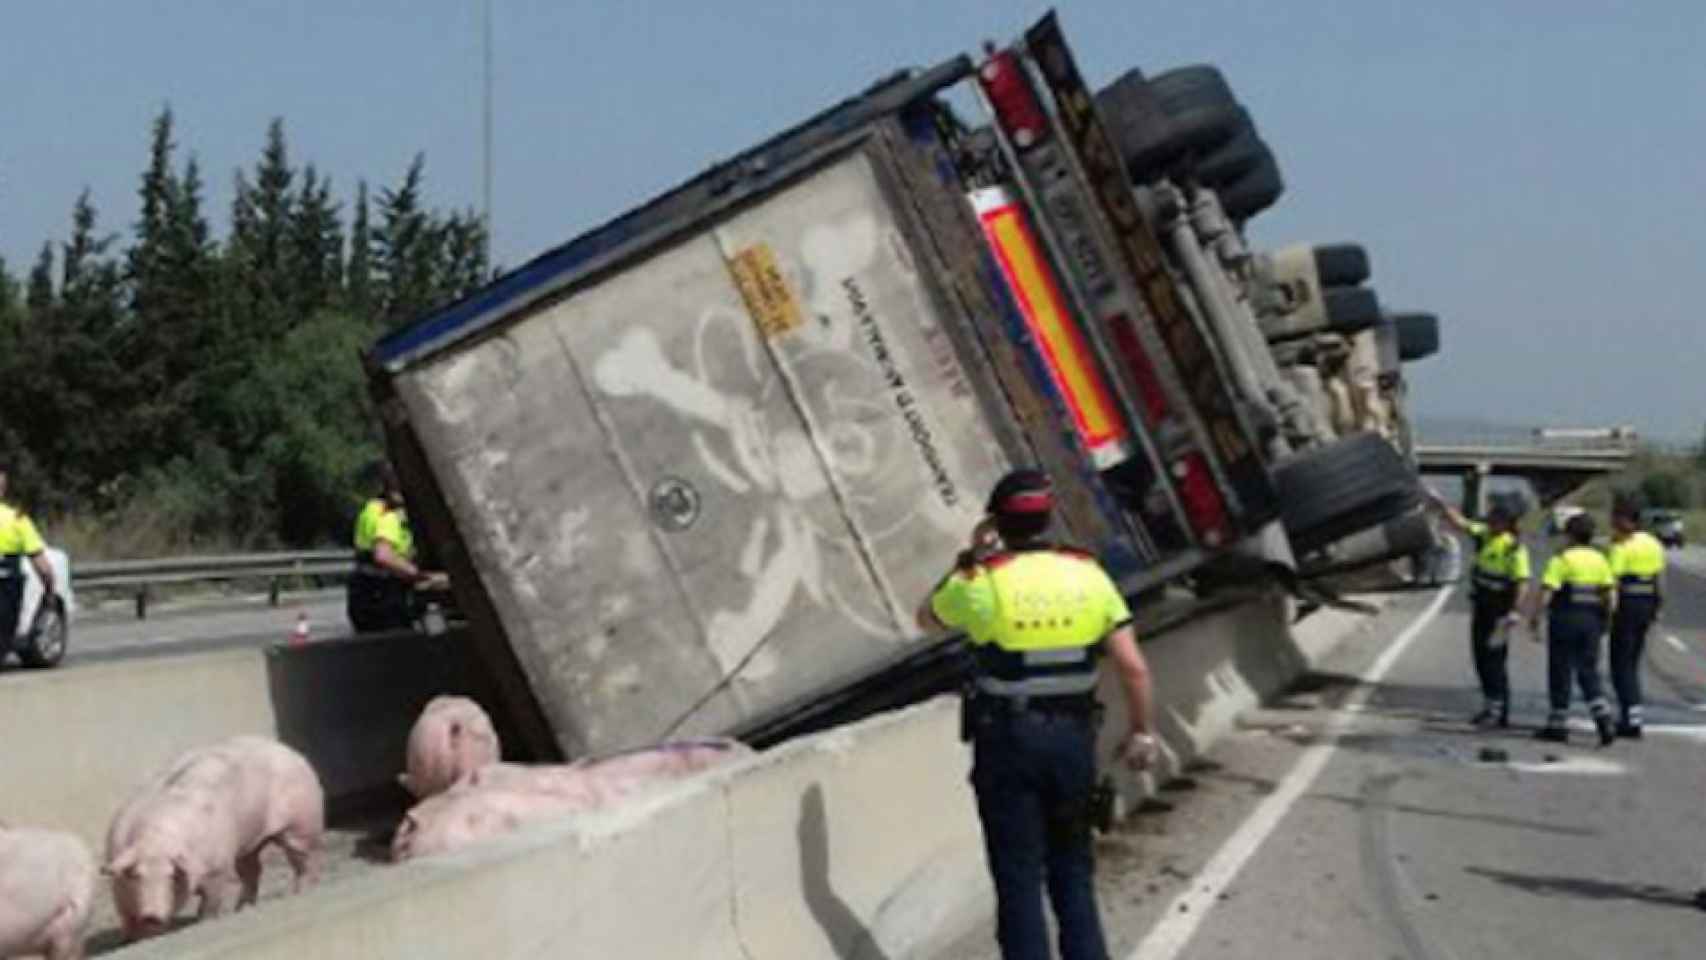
{"x":1034,"y":775}
{"x":1489,"y":649}
{"x":11,"y":608}
{"x":1629,"y":628}
{"x":1573,"y":654}
{"x":376,"y":603}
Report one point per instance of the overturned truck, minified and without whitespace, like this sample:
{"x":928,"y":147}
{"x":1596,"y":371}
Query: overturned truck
{"x":695,"y":467}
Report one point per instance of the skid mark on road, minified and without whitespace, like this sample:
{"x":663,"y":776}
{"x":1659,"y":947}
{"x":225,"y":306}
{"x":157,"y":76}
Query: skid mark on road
{"x":1187,"y":911}
{"x":1392,"y":886}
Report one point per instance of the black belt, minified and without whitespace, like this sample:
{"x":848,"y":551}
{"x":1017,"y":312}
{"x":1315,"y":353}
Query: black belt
{"x":1077,"y":704}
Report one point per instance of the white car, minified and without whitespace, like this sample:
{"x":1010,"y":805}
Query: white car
{"x":44,"y":628}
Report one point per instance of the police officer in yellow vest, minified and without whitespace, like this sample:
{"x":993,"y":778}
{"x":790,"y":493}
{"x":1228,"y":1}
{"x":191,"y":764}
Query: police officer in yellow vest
{"x":1498,"y":586}
{"x":1579,"y":594}
{"x":1038,"y":618}
{"x":380,"y":595}
{"x":1638,"y":562}
{"x":18,"y":541}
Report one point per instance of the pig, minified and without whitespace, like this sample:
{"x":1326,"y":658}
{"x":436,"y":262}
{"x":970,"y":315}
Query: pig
{"x":199,"y":827}
{"x":451,"y":737}
{"x":501,"y":797}
{"x":464,"y":816}
{"x":47,"y":884}
{"x":597,"y":782}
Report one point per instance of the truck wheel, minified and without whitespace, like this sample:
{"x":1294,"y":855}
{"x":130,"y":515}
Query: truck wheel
{"x":1234,"y":158}
{"x":1410,"y":534}
{"x":1342,"y":488}
{"x":47,"y":641}
{"x":1157,"y":121}
{"x":1351,"y":309}
{"x":1418,"y":335}
{"x":1254,"y":191}
{"x":1341,"y":264}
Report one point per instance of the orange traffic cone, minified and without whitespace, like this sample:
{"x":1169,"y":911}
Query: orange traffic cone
{"x":299,"y":636}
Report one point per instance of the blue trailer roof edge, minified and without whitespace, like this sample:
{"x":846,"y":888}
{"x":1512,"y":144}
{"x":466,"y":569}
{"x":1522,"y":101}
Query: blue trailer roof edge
{"x":558,"y":266}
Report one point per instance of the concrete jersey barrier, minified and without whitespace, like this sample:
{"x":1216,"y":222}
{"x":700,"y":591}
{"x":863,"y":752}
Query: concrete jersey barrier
{"x":861,"y":842}
{"x":79,"y":740}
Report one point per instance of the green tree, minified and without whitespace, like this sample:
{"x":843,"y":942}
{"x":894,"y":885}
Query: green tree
{"x":39,"y":295}
{"x":358,"y":276}
{"x":317,"y":245}
{"x":77,"y":376}
{"x":1667,"y":489}
{"x":406,"y":251}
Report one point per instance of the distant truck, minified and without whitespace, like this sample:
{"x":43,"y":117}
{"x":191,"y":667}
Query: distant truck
{"x":694,"y":468}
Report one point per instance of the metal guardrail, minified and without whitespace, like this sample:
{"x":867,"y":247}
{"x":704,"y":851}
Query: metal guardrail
{"x":140,"y":575}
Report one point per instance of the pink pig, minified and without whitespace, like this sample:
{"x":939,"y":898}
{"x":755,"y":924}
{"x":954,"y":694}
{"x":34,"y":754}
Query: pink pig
{"x":47,"y":883}
{"x":451,"y":737}
{"x":200,"y":826}
{"x":464,"y":816}
{"x":501,"y":797}
{"x":600,"y":781}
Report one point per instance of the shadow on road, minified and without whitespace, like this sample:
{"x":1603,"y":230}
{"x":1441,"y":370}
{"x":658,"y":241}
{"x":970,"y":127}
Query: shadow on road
{"x":1583,"y":888}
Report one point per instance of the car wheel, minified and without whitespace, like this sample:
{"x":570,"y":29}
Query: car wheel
{"x":1343,"y":488}
{"x":48,"y":640}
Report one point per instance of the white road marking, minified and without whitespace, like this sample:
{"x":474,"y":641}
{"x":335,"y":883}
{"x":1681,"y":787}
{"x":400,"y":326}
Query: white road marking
{"x":1671,"y":639}
{"x":1575,"y":766}
{"x":1689,"y":731}
{"x":1187,"y":911}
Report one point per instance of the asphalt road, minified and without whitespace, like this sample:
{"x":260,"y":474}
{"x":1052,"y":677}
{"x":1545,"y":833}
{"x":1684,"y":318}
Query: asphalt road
{"x":115,"y":633}
{"x":1354,"y":816}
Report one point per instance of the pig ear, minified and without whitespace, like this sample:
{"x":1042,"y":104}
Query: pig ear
{"x":119,"y":864}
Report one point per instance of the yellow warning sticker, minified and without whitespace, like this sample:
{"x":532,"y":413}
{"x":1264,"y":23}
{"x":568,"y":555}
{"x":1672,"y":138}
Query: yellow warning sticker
{"x":765,"y":290}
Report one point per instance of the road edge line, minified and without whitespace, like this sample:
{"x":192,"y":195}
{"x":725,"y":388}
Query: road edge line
{"x":1179,"y":922}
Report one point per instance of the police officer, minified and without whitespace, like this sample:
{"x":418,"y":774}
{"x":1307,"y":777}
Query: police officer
{"x":380,"y":593}
{"x":1579,"y":593}
{"x":1039,"y":617}
{"x":1498,"y":588}
{"x":19,"y":540}
{"x":1638,"y":562}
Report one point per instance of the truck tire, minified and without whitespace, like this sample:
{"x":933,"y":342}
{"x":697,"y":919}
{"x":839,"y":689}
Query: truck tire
{"x":1226,"y":163}
{"x":1418,"y":335}
{"x":1410,"y":534}
{"x":1342,"y":488}
{"x":1255,"y":191}
{"x":1135,"y":121}
{"x":1351,"y":309}
{"x":1156,"y":122}
{"x":1341,"y":264}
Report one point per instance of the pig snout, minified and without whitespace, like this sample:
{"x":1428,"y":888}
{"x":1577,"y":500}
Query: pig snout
{"x":149,"y":926}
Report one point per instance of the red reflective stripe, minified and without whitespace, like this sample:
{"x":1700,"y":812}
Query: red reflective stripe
{"x":1033,"y":502}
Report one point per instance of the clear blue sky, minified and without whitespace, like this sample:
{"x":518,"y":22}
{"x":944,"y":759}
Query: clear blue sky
{"x":1532,"y":171}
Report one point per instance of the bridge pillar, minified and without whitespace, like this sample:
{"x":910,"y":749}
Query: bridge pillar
{"x":1475,"y":490}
